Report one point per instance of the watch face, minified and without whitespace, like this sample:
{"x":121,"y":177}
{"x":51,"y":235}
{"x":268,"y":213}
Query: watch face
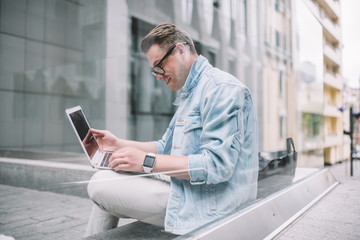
{"x":149,"y":161}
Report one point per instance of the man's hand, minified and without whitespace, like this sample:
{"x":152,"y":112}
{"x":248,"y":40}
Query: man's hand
{"x":107,"y":141}
{"x":90,"y":144}
{"x":127,"y":159}
{"x":131,"y":159}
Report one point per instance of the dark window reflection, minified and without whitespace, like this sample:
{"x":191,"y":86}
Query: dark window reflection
{"x":151,"y":100}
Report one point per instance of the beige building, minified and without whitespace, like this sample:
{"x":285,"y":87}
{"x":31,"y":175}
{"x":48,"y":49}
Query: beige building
{"x":299,"y":102}
{"x":329,"y":15}
{"x":351,"y":99}
{"x":278,"y":83}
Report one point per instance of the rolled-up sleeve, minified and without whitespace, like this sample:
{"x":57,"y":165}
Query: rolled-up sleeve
{"x":163,"y":146}
{"x":160,"y":144}
{"x":197,"y":171}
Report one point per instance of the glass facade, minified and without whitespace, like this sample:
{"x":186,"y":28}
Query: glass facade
{"x":310,"y":84}
{"x":151,"y":101}
{"x":52,"y":57}
{"x":56,"y":54}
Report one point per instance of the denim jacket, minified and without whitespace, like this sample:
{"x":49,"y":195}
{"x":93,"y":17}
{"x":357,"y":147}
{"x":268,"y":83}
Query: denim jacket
{"x":215,"y":126}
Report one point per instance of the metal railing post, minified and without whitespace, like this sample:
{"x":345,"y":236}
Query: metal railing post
{"x":351,"y":141}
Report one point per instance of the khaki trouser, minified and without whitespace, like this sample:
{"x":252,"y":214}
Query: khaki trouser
{"x":125,"y":195}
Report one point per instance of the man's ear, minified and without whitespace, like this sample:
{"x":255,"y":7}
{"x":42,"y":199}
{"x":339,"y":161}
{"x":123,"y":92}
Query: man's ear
{"x":181,"y":48}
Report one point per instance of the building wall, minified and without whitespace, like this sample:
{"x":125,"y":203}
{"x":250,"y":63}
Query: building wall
{"x":277,"y":72}
{"x":328,"y":14}
{"x":352,"y":100}
{"x":52,"y":57}
{"x":58,"y":54}
{"x":308,"y":73}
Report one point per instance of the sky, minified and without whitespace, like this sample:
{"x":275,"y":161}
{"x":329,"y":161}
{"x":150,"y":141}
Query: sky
{"x":350,"y":17}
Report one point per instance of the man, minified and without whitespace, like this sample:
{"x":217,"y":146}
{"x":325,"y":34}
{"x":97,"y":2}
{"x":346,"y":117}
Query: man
{"x":209,"y":148}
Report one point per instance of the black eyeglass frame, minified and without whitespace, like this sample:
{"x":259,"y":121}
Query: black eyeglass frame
{"x":159,"y":70}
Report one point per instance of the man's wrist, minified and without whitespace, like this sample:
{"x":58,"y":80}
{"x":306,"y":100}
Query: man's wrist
{"x":120,"y":143}
{"x":149,"y":162}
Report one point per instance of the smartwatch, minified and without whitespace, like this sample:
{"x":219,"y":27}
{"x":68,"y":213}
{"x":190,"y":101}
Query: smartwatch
{"x":149,"y":162}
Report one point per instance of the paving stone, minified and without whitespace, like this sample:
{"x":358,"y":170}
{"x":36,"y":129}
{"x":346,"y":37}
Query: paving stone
{"x":32,"y":214}
{"x":336,"y":216}
{"x":21,"y":223}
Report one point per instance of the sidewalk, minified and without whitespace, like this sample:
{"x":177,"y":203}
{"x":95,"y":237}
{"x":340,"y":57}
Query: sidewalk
{"x":336,"y":216}
{"x":31,"y":214}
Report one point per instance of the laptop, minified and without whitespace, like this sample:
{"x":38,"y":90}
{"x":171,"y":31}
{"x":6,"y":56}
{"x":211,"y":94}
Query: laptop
{"x":98,"y":158}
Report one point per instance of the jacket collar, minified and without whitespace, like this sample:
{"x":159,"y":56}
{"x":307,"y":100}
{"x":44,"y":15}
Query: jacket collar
{"x":192,"y":80}
{"x":200,"y":64}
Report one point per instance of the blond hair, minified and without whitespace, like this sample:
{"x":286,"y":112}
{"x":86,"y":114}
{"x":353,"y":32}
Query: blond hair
{"x":165,"y":35}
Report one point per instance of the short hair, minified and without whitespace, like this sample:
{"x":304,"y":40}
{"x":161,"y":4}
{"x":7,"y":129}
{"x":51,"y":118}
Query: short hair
{"x":165,"y":35}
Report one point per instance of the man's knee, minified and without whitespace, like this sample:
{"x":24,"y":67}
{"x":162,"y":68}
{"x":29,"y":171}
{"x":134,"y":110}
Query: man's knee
{"x":98,"y":183}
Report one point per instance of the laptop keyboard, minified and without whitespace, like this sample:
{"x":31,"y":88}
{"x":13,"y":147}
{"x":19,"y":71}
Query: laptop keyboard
{"x":105,"y":161}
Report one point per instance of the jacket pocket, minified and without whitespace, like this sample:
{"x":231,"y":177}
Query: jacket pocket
{"x":177,"y":139}
{"x":192,"y":122}
{"x":192,"y":130}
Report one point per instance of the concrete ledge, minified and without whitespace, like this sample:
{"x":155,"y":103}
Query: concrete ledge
{"x":267,"y":217}
{"x":264,"y":219}
{"x":45,"y":175}
{"x":134,"y":231}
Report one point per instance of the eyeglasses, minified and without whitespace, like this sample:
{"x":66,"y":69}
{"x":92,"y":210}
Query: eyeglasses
{"x":159,"y":70}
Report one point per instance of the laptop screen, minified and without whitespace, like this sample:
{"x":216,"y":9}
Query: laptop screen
{"x":82,"y":129}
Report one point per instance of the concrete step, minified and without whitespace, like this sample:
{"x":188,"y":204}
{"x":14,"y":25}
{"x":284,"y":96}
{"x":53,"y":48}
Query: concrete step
{"x":134,"y":231}
{"x":56,"y":173}
{"x":68,"y":174}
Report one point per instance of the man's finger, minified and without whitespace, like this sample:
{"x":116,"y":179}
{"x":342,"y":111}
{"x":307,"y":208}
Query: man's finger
{"x":121,"y":167}
{"x":118,"y":161}
{"x":97,"y":132}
